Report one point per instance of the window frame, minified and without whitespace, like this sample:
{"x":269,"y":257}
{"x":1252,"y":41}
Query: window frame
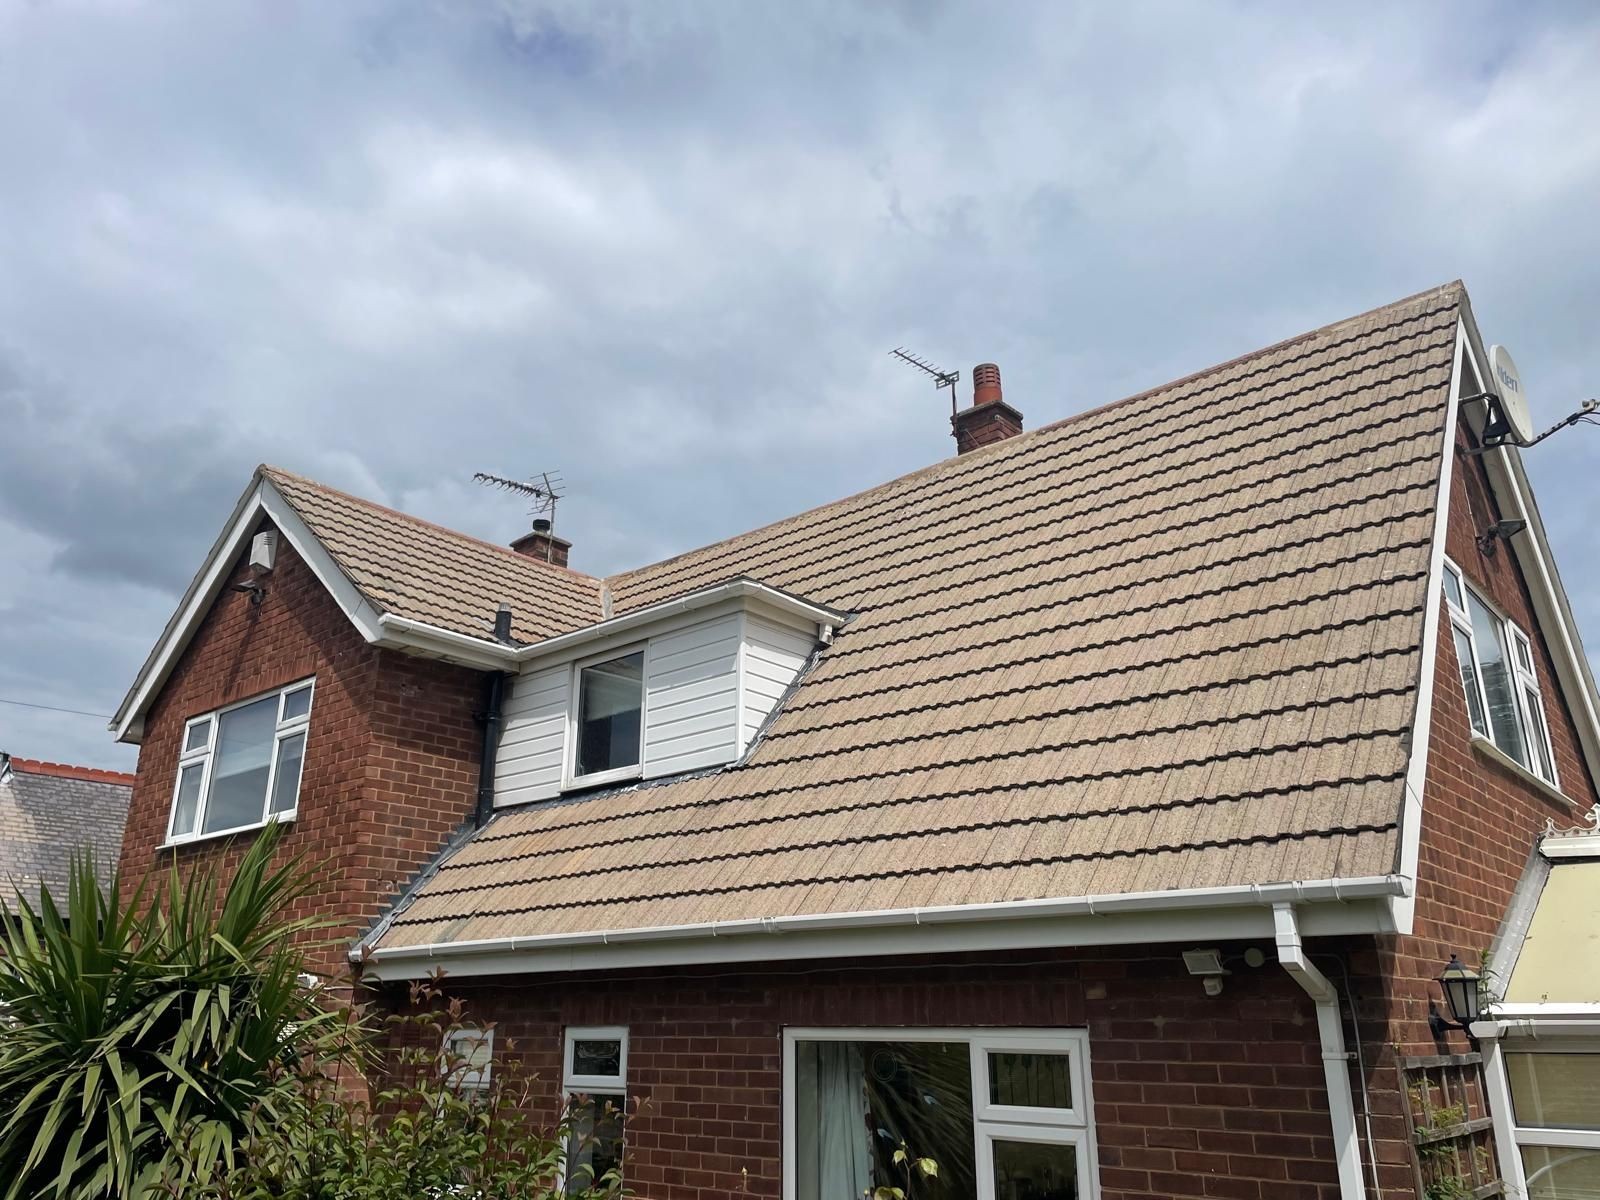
{"x":990,"y":1122}
{"x":1498,"y":1079}
{"x":1518,"y":650}
{"x":595,"y":1087}
{"x":570,"y":779}
{"x":205,"y":757}
{"x":470,"y":1079}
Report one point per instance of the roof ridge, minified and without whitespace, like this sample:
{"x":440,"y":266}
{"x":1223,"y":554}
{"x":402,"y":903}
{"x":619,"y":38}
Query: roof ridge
{"x":35,"y":766}
{"x":1030,"y":435}
{"x":272,"y":472}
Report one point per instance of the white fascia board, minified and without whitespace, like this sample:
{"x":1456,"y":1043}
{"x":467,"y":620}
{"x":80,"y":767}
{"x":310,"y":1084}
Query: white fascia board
{"x":261,"y":498}
{"x":1138,"y":918}
{"x":1546,"y":1010}
{"x":202,"y":592}
{"x":1508,"y":478}
{"x":742,"y":588}
{"x":1565,"y":847}
{"x":1405,"y":906}
{"x":403,"y":633}
{"x":362,"y":613}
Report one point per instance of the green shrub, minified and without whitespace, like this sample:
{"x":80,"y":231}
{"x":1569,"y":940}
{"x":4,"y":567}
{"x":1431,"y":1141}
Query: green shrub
{"x":427,"y":1132}
{"x":134,"y":1022}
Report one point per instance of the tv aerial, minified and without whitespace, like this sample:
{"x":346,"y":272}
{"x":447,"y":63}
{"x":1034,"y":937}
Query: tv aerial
{"x":543,"y":490}
{"x":1510,"y":420}
{"x":940,"y":378}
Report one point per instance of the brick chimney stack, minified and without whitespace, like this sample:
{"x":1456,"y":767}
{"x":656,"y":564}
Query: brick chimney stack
{"x":541,"y":543}
{"x":990,"y":419}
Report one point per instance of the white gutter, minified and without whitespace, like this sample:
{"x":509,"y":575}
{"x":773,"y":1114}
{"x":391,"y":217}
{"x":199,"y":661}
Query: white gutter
{"x":477,"y":651}
{"x":1271,"y":894}
{"x":1335,"y":1059}
{"x":461,"y":647}
{"x":734,"y":589}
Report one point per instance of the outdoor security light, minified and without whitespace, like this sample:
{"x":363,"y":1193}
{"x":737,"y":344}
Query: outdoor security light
{"x":1460,"y":986}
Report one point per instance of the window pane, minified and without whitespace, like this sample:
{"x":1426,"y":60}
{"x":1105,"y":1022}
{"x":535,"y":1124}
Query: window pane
{"x":610,"y":695}
{"x":1499,"y":682}
{"x":242,"y":759}
{"x":1469,"y":681}
{"x":594,"y":1144}
{"x":1452,"y":588}
{"x":188,"y":798}
{"x":469,"y":1057}
{"x":1555,"y":1091}
{"x":1538,"y":748}
{"x":1030,"y":1080}
{"x":1561,"y":1173}
{"x":1523,"y":658}
{"x":199,"y":736}
{"x":1035,"y":1171}
{"x":597,"y":1058}
{"x":286,"y":783}
{"x":296,"y":703}
{"x":856,"y":1102}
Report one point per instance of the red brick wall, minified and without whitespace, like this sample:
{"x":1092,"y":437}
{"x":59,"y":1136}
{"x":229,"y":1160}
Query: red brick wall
{"x":1479,"y":822}
{"x":1194,"y":1096}
{"x":391,"y":755}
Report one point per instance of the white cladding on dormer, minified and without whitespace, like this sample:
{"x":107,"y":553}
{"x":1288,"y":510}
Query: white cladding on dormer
{"x":691,"y":698}
{"x":712,"y":678}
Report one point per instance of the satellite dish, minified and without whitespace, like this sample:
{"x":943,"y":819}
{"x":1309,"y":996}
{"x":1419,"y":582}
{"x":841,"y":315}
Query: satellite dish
{"x":1514,"y":413}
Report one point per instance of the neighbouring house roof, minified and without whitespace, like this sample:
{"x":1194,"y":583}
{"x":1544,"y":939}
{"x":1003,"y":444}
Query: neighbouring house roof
{"x":1172,"y":643}
{"x":416,"y":569}
{"x":50,"y":811}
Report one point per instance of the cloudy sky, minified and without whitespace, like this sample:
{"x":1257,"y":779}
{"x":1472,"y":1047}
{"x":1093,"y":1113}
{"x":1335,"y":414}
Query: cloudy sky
{"x":664,"y":249}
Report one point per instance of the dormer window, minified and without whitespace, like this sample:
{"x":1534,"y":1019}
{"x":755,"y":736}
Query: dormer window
{"x":683,"y":685}
{"x":610,"y":714}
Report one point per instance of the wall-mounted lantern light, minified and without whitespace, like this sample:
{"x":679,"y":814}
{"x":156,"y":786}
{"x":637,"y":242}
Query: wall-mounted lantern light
{"x":1460,"y":986}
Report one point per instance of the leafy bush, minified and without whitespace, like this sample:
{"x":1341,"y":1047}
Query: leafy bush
{"x":134,"y":1022}
{"x":432,"y":1132}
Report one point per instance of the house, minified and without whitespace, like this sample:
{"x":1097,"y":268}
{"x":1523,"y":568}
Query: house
{"x":49,"y":812}
{"x":1093,"y":810}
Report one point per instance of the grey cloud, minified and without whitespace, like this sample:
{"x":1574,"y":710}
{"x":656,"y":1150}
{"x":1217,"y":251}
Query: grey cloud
{"x":664,"y":249}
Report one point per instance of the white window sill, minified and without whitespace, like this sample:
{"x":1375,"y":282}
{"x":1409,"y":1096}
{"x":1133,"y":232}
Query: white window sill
{"x":1498,"y":756}
{"x":599,"y":778}
{"x":177,"y":843}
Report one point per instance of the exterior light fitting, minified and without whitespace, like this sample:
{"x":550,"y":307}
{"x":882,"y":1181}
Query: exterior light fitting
{"x":1460,"y":986}
{"x":1502,"y":530}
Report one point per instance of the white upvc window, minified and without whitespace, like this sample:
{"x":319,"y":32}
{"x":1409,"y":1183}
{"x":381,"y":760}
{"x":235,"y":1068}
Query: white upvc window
{"x":239,"y":767}
{"x":594,"y":1080}
{"x":607,"y":718}
{"x":1554,"y":1100}
{"x":469,"y":1058}
{"x":1000,"y":1113}
{"x":1504,"y":702}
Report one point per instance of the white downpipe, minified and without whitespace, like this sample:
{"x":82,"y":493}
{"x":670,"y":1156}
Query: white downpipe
{"x":1335,"y":1061}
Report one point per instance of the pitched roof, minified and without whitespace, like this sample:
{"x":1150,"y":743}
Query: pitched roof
{"x":1170,"y":643}
{"x":416,"y":569}
{"x":49,"y":811}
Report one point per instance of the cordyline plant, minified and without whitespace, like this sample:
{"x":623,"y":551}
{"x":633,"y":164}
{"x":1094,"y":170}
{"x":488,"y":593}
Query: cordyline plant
{"x":136,"y":1023}
{"x":437,"y":1130}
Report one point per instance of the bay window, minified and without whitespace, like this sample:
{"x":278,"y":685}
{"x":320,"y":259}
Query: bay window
{"x":1504,"y":704}
{"x":594,"y":1079}
{"x":239,"y":767}
{"x":1002,"y":1114}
